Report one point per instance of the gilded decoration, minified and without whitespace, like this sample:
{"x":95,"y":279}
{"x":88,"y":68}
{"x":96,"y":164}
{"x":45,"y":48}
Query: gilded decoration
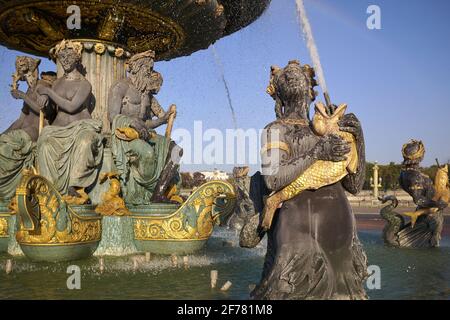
{"x":3,"y":226}
{"x":45,"y":218}
{"x":112,"y":202}
{"x":36,"y":26}
{"x":194,"y":220}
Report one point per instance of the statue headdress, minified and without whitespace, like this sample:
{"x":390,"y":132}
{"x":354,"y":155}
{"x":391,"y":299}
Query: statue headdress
{"x":148,"y":55}
{"x":276,"y":71}
{"x":413,"y":154}
{"x":76,"y":46}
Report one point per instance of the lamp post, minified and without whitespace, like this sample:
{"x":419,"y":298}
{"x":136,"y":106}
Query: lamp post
{"x":375,"y":181}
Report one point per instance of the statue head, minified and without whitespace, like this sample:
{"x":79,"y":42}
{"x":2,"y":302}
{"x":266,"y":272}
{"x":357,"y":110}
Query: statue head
{"x":141,"y":73}
{"x":48,"y":76}
{"x":239,"y":172}
{"x":27,"y":69}
{"x":413,"y":152}
{"x":292,"y":88}
{"x":68,"y":53}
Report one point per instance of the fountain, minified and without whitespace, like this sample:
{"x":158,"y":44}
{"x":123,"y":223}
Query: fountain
{"x":425,"y":226}
{"x":93,"y":175}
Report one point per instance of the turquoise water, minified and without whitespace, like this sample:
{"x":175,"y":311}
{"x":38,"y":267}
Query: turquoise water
{"x":405,"y":274}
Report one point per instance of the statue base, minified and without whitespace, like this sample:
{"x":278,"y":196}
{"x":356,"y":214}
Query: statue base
{"x":117,"y":237}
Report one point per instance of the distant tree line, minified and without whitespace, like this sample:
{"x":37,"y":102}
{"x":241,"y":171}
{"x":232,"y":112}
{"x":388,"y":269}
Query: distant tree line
{"x":390,"y":174}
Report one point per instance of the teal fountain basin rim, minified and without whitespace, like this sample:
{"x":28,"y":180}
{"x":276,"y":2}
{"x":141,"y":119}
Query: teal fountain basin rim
{"x":59,"y":253}
{"x":153,"y":209}
{"x":85,"y":211}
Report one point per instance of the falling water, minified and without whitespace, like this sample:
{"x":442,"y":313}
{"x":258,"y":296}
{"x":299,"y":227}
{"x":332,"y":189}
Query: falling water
{"x":311,"y":44}
{"x":225,"y":83}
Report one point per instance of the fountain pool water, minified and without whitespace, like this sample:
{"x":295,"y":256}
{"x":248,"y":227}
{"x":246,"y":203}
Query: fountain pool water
{"x":405,"y":273}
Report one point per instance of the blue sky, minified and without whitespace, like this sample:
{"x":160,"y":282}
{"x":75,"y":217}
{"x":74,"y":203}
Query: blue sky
{"x":397,"y":79}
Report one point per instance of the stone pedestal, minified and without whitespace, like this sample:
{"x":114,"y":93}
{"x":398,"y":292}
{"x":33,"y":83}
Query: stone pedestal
{"x":117,"y":237}
{"x":13,"y":246}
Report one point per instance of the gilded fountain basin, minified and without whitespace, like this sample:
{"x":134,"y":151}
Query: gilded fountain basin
{"x":182,"y":229}
{"x":51,"y":230}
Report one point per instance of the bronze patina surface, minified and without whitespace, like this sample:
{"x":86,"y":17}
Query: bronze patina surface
{"x":171,"y":28}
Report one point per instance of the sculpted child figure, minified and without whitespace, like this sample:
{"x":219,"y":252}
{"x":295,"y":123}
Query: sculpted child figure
{"x":313,"y":251}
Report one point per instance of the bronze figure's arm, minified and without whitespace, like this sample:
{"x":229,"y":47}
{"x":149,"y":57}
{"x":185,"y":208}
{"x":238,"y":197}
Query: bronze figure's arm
{"x":422,"y":191}
{"x":353,"y":183}
{"x":162,"y":117}
{"x":115,"y":97}
{"x":35,"y":105}
{"x":280,"y":169}
{"x":73,"y":106}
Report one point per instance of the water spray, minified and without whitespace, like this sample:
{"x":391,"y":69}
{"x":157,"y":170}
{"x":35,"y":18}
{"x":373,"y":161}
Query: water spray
{"x":313,"y":52}
{"x":225,"y":83}
{"x":174,"y":261}
{"x":101,"y":265}
{"x":226,"y":286}
{"x":9,"y":266}
{"x":214,"y":277}
{"x":186,"y":261}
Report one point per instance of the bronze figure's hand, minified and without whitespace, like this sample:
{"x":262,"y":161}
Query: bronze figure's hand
{"x":172,"y":111}
{"x":351,"y":124}
{"x":332,"y":148}
{"x":43,"y":90}
{"x":140,"y":127}
{"x":17,"y":94}
{"x":42,"y":101}
{"x":442,"y":204}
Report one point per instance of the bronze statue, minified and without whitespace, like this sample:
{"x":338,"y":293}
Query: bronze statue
{"x":425,"y":227}
{"x":313,"y":250}
{"x":244,"y":208}
{"x":70,"y":151}
{"x":17,"y":143}
{"x":35,"y":112}
{"x":146,"y":162}
{"x":134,"y":98}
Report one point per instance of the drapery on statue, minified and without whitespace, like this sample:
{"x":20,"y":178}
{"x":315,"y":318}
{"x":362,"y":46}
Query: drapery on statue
{"x":146,"y":162}
{"x":17,"y":143}
{"x":70,"y":150}
{"x":431,"y":199}
{"x":313,"y":250}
